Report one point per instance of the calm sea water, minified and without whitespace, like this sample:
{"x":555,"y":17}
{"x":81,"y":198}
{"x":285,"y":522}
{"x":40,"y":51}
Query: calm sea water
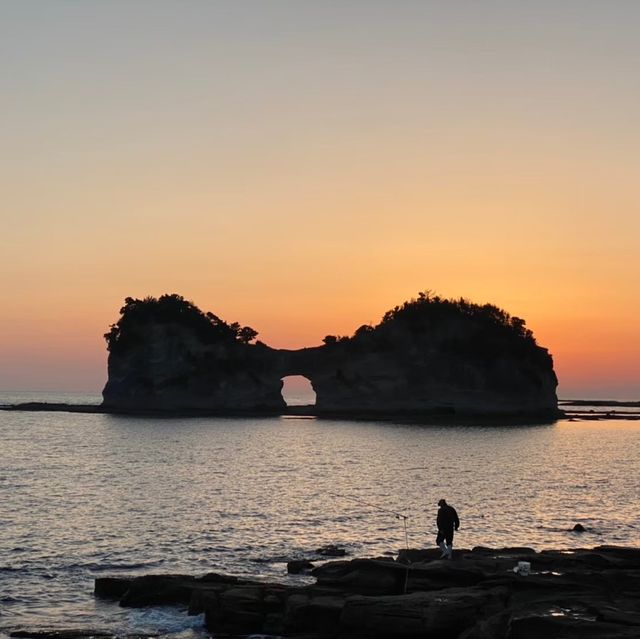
{"x":83,"y":496}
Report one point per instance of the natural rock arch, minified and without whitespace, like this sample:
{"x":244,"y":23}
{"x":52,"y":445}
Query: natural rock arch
{"x":430,"y":355}
{"x":293,"y":388}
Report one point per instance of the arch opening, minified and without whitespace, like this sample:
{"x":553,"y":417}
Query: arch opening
{"x":297,"y":391}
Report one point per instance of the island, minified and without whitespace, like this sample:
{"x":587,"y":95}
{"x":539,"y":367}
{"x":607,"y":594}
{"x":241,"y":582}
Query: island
{"x":428,"y":356}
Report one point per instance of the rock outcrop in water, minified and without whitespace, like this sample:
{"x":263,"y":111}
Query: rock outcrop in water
{"x":166,"y":354}
{"x":428,"y":356}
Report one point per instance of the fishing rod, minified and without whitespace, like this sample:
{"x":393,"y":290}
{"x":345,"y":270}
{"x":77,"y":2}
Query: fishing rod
{"x":396,"y":514}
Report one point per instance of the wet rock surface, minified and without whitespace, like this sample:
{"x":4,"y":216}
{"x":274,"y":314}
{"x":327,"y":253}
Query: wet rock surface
{"x":61,"y":634}
{"x":331,"y":550}
{"x":580,"y":593}
{"x":297,"y":566}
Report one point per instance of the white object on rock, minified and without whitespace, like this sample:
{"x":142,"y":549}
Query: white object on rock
{"x":523,"y":568}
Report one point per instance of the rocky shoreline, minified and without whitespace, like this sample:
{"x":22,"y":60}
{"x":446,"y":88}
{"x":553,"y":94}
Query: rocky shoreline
{"x":480,"y":594}
{"x":574,"y":414}
{"x":433,"y":416}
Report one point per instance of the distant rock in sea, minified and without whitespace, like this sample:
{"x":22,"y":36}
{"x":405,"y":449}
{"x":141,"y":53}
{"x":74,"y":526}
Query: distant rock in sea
{"x":430,"y":356}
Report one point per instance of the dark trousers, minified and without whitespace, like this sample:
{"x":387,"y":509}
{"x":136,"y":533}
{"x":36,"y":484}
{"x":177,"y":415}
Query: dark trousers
{"x":446,"y":535}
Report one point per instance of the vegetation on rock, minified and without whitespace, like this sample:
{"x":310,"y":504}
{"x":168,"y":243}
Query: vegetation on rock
{"x":429,"y":354}
{"x":459,"y":326}
{"x":137,"y":314}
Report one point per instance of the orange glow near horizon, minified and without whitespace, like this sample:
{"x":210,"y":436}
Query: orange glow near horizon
{"x":303,"y":168}
{"x":71,"y":348}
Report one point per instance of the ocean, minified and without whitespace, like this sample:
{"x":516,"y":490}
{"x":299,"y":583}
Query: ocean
{"x":89,"y":495}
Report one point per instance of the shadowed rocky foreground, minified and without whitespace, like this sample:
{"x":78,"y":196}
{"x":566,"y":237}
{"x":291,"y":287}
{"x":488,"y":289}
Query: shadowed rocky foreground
{"x":579,"y":593}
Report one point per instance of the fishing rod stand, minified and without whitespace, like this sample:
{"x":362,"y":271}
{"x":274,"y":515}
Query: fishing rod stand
{"x":404,"y":523}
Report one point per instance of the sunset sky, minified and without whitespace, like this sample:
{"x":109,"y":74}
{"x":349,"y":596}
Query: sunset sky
{"x":303,"y":166}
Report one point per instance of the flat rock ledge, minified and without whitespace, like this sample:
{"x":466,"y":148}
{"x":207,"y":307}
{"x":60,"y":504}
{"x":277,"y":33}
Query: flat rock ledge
{"x":578,"y":593}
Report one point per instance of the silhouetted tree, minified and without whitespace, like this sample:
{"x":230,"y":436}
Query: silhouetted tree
{"x":365,"y":329}
{"x":136,"y":314}
{"x":246,"y":334}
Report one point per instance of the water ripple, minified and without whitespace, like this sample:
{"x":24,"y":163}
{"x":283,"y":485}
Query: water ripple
{"x":84,"y":495}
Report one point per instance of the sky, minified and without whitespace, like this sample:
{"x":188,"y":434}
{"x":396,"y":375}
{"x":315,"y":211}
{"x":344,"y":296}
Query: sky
{"x":303,"y":166}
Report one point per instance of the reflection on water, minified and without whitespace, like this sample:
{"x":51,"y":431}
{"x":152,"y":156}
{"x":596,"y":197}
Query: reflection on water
{"x":87,"y":495}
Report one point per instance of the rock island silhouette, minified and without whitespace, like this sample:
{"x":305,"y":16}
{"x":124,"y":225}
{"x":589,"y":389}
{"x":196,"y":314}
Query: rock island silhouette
{"x":429,"y":356}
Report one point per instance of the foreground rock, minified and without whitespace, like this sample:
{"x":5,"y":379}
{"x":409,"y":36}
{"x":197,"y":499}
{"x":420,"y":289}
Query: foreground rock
{"x":75,"y":633}
{"x":430,"y":356}
{"x":581,"y":593}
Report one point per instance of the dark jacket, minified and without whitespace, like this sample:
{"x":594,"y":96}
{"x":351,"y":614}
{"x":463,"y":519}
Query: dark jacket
{"x":447,"y":518}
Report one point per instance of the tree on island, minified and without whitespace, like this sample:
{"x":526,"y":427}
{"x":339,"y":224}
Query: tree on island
{"x":429,"y":353}
{"x":484,"y":330}
{"x":172,"y":309}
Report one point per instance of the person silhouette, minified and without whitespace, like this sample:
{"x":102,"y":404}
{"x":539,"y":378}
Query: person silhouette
{"x":447,"y":521}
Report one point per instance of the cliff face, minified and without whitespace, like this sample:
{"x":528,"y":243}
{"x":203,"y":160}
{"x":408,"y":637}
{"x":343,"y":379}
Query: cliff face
{"x":428,"y":356}
{"x":172,"y":369}
{"x":172,"y":360}
{"x":441,"y":370}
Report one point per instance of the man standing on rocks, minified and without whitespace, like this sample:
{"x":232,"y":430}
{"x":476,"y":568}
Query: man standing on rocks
{"x":447,"y":520}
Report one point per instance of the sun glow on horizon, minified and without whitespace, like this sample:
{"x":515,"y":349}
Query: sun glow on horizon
{"x":302,"y":168}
